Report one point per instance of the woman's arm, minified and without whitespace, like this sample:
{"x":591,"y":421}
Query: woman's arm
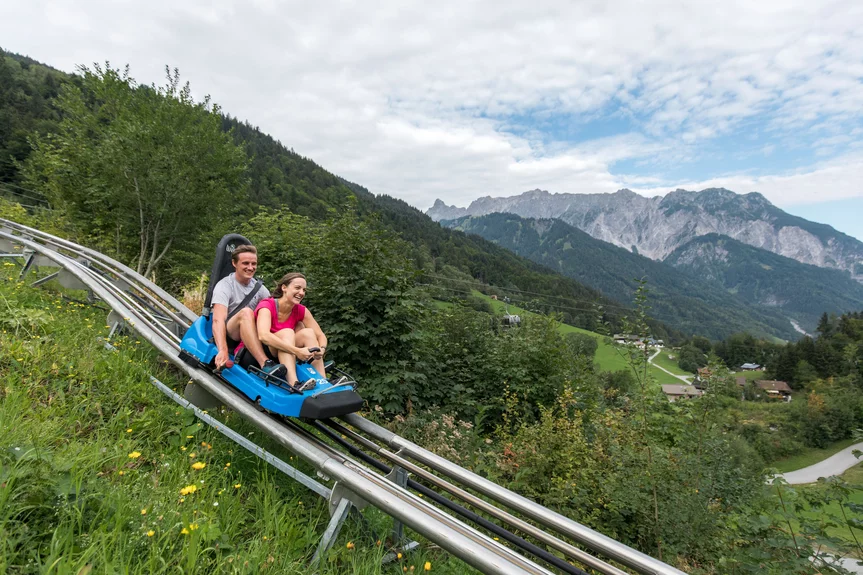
{"x":265,"y":323}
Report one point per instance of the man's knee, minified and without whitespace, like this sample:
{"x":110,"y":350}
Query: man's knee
{"x":246,"y":315}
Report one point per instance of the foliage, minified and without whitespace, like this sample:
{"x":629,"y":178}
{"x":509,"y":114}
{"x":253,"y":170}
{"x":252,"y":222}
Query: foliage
{"x":691,"y":358}
{"x":130,"y":164}
{"x":27,"y":92}
{"x":360,"y":289}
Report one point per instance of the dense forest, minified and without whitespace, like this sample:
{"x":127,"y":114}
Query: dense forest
{"x":526,"y":407}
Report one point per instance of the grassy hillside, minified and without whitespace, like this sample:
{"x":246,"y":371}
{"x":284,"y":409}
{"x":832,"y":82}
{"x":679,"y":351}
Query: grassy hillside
{"x":100,"y":472}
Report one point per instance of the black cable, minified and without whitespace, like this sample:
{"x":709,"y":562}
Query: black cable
{"x":456,"y":508}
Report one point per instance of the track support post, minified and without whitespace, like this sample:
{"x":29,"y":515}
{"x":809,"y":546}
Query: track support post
{"x":329,"y":537}
{"x":399,"y":476}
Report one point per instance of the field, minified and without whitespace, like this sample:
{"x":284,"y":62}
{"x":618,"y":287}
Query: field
{"x":832,"y":512}
{"x":750,"y":375}
{"x":665,"y":361}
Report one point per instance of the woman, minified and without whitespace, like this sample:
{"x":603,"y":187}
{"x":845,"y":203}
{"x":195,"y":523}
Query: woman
{"x":288,"y":328}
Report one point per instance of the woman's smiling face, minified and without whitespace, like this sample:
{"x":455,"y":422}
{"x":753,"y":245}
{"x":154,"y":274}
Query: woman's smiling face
{"x":296,"y":290}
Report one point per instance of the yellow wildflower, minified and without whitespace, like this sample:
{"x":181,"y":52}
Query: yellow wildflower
{"x":129,"y":430}
{"x":184,"y":531}
{"x":398,"y":556}
{"x":189,"y":436}
{"x":192,"y":455}
{"x":135,"y":455}
{"x":121,"y":472}
{"x":183,"y":448}
{"x":150,"y":533}
{"x":350,"y":545}
{"x":228,"y":464}
{"x":199,"y":465}
{"x":427,"y":566}
{"x":237,"y":485}
{"x":188,"y":489}
{"x":143,"y":511}
{"x":193,"y":526}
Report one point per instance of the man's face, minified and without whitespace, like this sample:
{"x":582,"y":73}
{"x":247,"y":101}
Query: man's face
{"x":245,"y":266}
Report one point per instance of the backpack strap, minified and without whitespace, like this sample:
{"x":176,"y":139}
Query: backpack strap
{"x":245,"y":301}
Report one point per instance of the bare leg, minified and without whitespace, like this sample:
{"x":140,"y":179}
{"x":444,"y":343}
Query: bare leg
{"x":242,"y":327}
{"x":285,"y":358}
{"x":306,"y":338}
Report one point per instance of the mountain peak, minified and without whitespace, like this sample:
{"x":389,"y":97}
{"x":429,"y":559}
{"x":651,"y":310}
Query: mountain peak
{"x":657,"y":226}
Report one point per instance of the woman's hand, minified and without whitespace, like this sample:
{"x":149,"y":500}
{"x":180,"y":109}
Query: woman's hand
{"x":320,"y":353}
{"x":304,"y":354}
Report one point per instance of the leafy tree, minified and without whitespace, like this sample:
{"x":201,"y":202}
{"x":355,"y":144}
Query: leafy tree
{"x":702,"y":343}
{"x":691,"y":358}
{"x":140,"y":169}
{"x":582,"y":344}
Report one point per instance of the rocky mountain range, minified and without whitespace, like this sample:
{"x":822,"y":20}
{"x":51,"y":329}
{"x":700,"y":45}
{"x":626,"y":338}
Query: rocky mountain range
{"x":655,"y":227}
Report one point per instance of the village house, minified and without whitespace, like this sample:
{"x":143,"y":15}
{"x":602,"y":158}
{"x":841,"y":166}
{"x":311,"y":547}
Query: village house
{"x":774,"y":389}
{"x":674,"y":391}
{"x":751,"y":367}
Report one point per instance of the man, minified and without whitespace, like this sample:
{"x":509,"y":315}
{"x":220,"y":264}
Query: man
{"x":228,"y":295}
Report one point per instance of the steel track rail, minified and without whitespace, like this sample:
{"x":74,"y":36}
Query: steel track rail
{"x":454,"y":536}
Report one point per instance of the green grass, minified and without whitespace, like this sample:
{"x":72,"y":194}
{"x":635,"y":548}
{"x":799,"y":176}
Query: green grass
{"x":750,"y":375}
{"x":608,"y":355}
{"x":811,"y":456}
{"x":671,"y":365}
{"x":830,"y":513}
{"x":96,"y":465}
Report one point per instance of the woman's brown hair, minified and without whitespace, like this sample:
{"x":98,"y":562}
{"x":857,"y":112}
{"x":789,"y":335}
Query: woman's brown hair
{"x":286,"y":280}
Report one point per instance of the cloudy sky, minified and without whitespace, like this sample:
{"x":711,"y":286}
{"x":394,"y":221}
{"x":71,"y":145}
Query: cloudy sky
{"x":457,"y":100}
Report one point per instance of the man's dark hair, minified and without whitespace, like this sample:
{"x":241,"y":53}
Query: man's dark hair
{"x":246,"y":249}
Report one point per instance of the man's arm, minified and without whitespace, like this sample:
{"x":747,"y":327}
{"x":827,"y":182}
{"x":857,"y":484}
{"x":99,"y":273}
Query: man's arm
{"x":220,"y":333}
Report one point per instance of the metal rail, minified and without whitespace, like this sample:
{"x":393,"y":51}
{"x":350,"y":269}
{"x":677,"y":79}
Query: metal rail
{"x":461,"y":540}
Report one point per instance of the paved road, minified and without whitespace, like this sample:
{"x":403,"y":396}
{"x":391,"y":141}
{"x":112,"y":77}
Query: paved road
{"x":833,"y":465}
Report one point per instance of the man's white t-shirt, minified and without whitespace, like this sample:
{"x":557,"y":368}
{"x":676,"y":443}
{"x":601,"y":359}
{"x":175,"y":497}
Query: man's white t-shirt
{"x":231,"y":293}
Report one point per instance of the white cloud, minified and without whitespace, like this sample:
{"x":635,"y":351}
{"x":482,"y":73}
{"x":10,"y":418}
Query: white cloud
{"x":835,"y":180}
{"x":422,"y":100}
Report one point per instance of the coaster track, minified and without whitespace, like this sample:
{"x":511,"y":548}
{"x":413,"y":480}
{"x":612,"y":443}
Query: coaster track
{"x":336,"y":451}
